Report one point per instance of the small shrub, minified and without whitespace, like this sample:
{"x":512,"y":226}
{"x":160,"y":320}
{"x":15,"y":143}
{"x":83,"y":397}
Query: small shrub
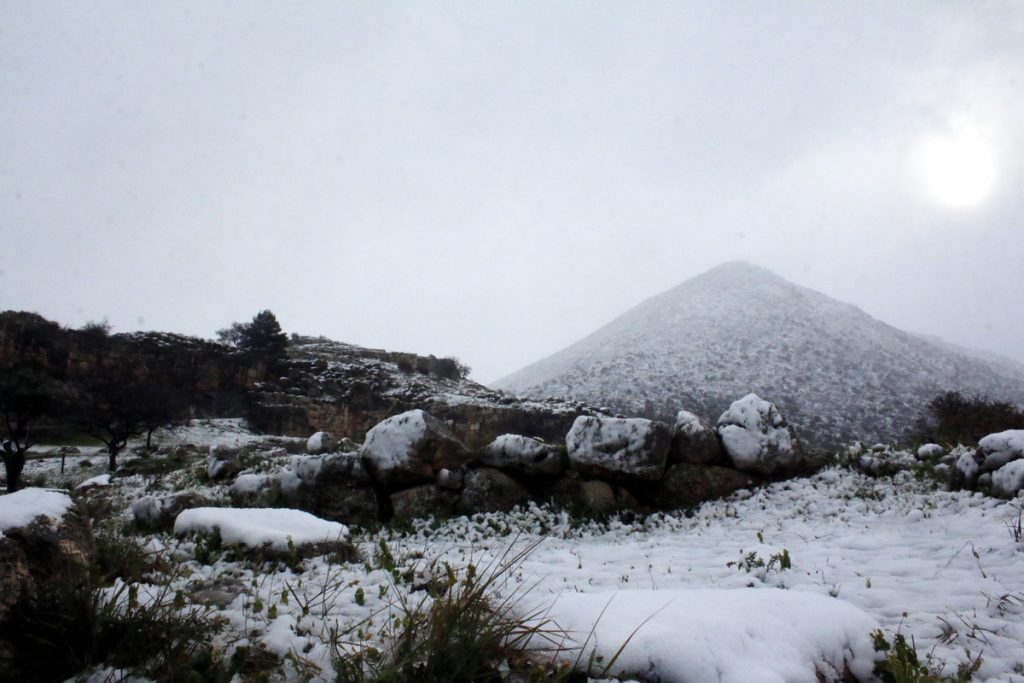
{"x":900,"y":663}
{"x":455,"y":633}
{"x":67,"y":627}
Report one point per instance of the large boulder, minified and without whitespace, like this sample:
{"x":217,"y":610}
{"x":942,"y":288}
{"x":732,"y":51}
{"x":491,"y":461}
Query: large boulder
{"x":224,"y":462}
{"x":1008,"y":480}
{"x":255,"y":491}
{"x":757,"y":438}
{"x":686,"y":484}
{"x":335,"y":486}
{"x":996,"y":450}
{"x":618,"y":447}
{"x":967,"y":469}
{"x":159,"y":512}
{"x":409,"y":449}
{"x":487,"y":490}
{"x":43,"y":539}
{"x":530,"y":456}
{"x":695,"y":441}
{"x":421,"y":501}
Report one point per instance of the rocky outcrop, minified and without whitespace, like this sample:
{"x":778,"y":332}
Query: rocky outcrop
{"x":619,"y":448}
{"x":757,"y":438}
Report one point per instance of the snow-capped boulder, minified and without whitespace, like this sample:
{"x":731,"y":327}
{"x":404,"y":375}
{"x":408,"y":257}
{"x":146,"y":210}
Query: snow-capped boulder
{"x":530,"y":456}
{"x":618,"y":447}
{"x":255,"y":490}
{"x":159,"y":512}
{"x":1001,"y":448}
{"x":409,"y":448}
{"x":42,"y":537}
{"x":321,"y":442}
{"x":686,"y":484}
{"x":334,"y":486}
{"x":224,"y":462}
{"x":930,"y":451}
{"x":966,"y":470}
{"x":757,"y":438}
{"x":487,"y":490}
{"x":1008,"y":480}
{"x":695,"y":441}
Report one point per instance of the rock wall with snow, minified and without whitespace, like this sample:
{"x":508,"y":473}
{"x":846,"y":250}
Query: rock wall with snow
{"x":412,"y":465}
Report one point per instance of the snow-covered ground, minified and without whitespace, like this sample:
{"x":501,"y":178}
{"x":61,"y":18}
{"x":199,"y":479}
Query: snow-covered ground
{"x":942,"y":567}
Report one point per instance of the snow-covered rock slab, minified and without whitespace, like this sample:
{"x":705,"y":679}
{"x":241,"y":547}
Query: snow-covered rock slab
{"x":718,"y":635}
{"x":619,"y":447}
{"x":757,"y":437}
{"x":24,"y":507}
{"x":260,"y":527}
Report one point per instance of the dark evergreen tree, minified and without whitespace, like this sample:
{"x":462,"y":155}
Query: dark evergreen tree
{"x":263,"y":337}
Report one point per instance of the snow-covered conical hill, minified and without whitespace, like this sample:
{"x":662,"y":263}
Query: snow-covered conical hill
{"x":837,"y":373}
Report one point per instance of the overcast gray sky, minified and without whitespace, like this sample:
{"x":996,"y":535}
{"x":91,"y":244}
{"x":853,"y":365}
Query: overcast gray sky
{"x":495,"y":180}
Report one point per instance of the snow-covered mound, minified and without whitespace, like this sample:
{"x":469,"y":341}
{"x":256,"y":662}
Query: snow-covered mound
{"x":260,"y":527}
{"x":27,"y":505}
{"x":835,"y":372}
{"x":717,"y":635}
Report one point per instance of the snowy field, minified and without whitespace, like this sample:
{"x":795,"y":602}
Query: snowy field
{"x":845,"y":553}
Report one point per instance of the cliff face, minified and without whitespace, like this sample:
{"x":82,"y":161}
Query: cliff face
{"x":323,"y":385}
{"x":215,"y":378}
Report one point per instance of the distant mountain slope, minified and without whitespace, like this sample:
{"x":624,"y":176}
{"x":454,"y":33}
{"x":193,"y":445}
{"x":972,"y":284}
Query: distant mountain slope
{"x":837,"y":373}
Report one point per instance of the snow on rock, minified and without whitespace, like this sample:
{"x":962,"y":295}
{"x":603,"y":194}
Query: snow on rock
{"x":968,"y":466}
{"x":159,"y":512}
{"x":255,"y":490}
{"x":718,"y":635}
{"x":619,"y":447}
{"x":260,"y":527}
{"x":24,"y":507}
{"x":321,"y":442}
{"x":1008,"y":480}
{"x":930,"y":451}
{"x":409,"y":448}
{"x":94,"y":482}
{"x":1000,"y":448}
{"x":525,"y":454}
{"x":757,"y":437}
{"x":695,"y":441}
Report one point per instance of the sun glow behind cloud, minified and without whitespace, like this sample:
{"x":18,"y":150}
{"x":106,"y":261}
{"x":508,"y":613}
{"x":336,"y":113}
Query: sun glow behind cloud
{"x":959,"y":167}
